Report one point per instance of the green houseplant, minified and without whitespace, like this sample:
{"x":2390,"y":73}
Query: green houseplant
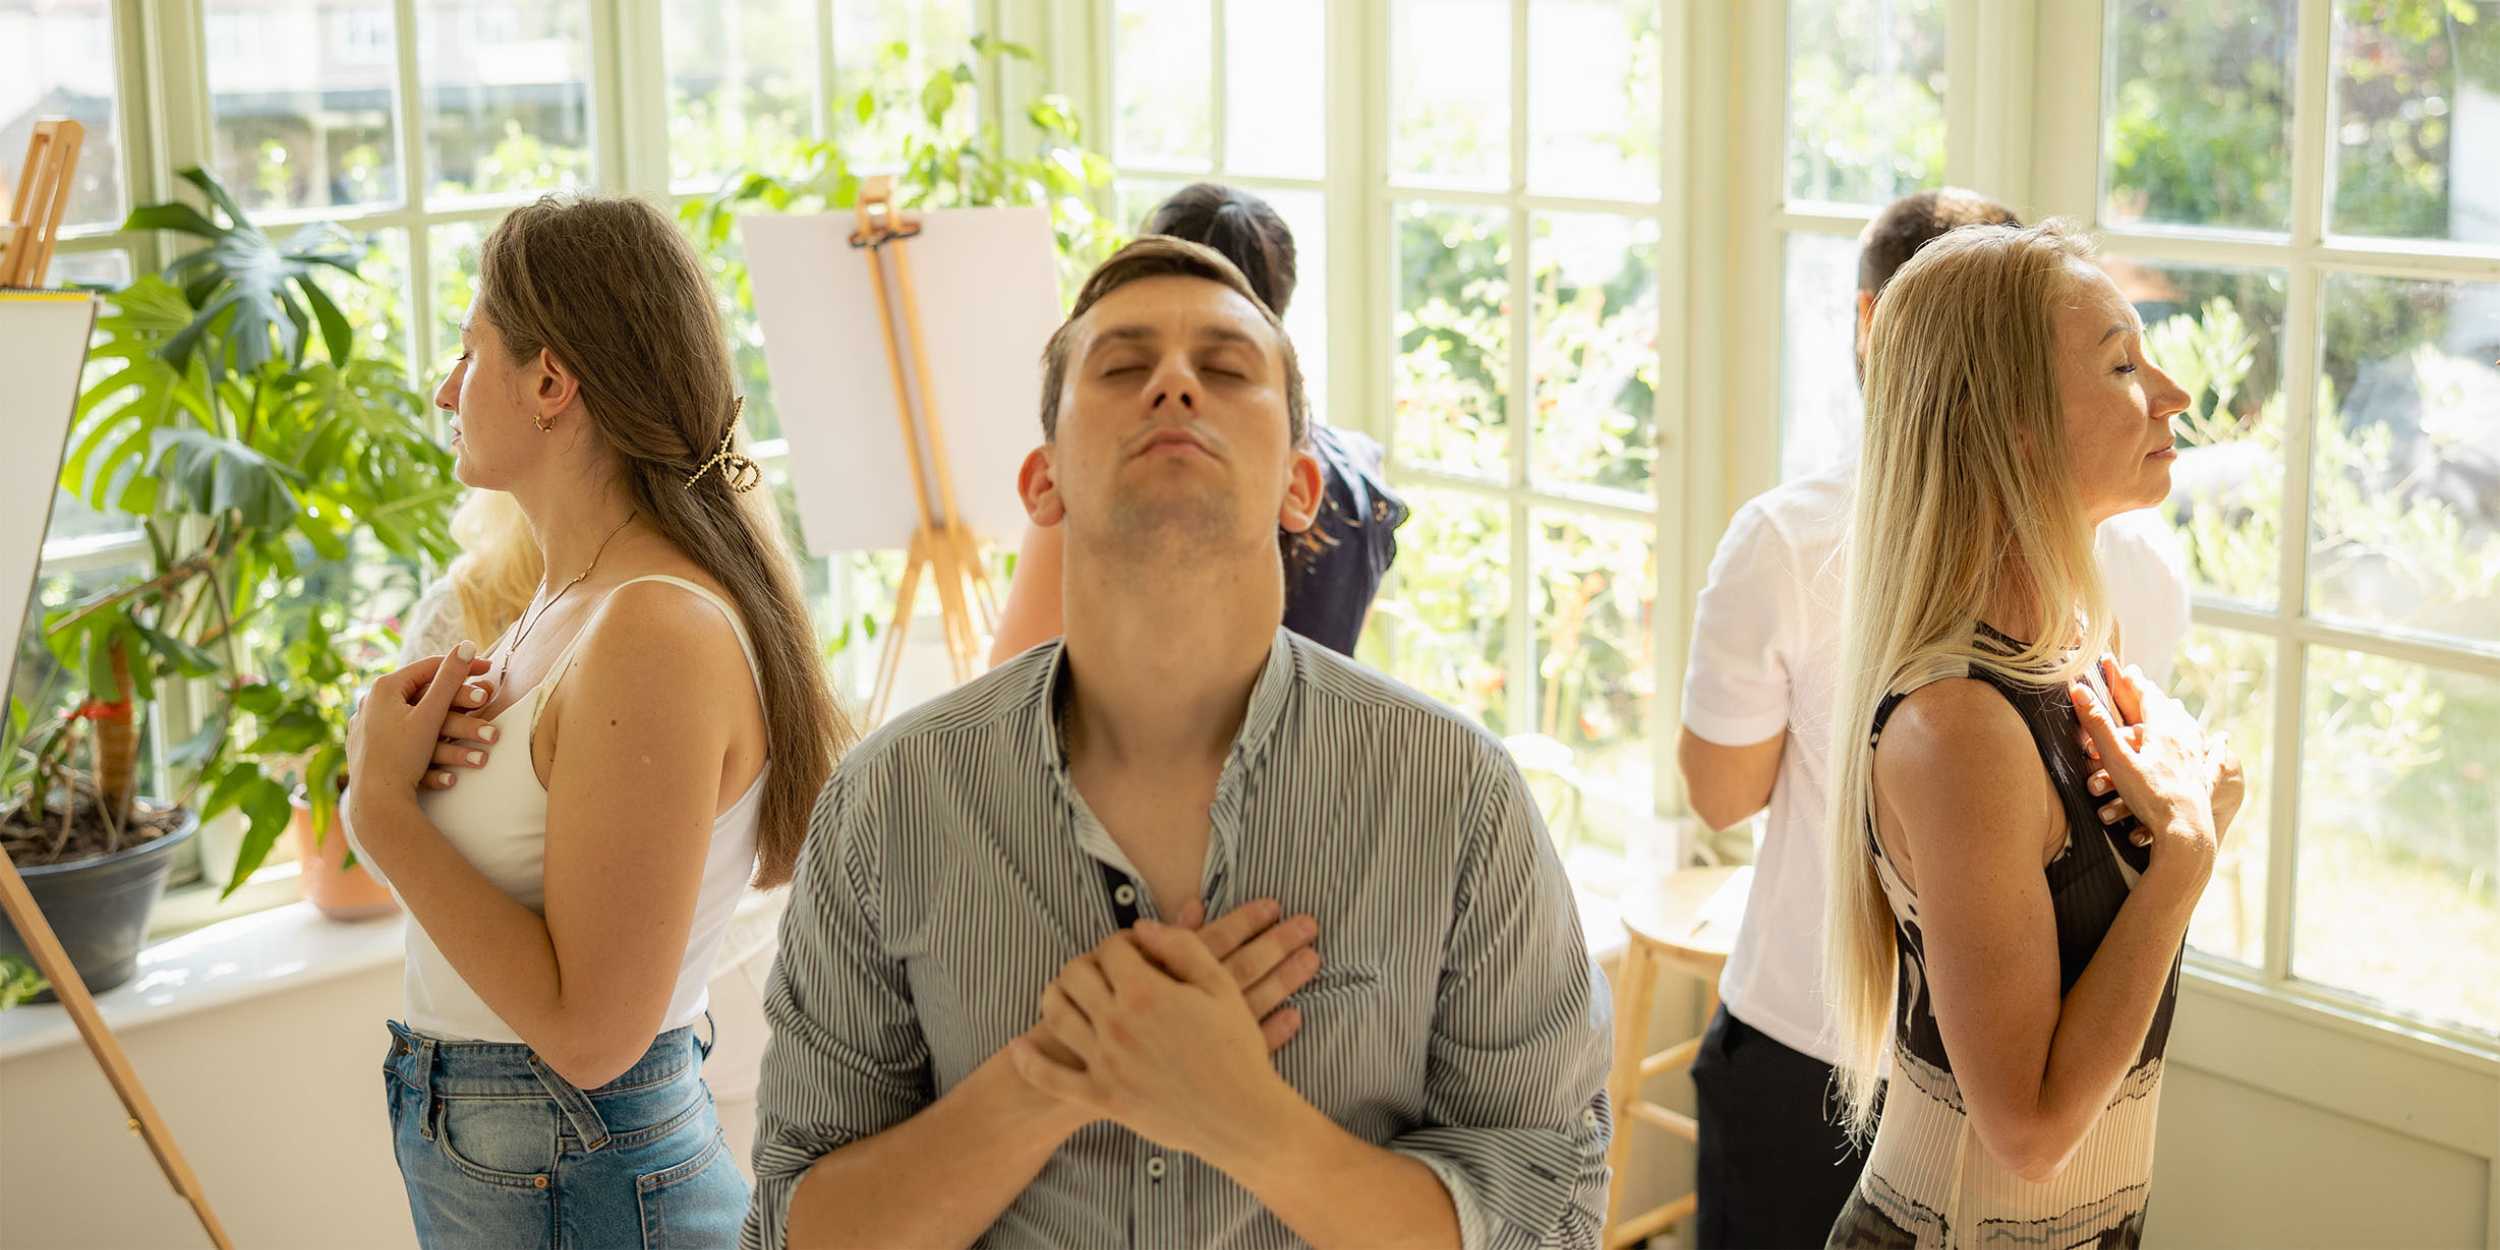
{"x":945,"y":161}
{"x":272,"y":458}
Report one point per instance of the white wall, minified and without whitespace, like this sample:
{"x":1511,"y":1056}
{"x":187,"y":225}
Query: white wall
{"x":277,"y":1102}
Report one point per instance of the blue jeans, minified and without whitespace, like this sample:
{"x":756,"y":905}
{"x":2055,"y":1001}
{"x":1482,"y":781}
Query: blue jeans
{"x":497,"y":1150}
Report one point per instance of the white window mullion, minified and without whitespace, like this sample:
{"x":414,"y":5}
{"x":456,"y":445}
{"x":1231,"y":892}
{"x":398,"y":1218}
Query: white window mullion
{"x":1673,"y":411}
{"x":828,"y":92}
{"x":611,"y":149}
{"x":414,"y":178}
{"x":631,"y":98}
{"x":1362,"y":303}
{"x":1752,"y":265}
{"x":1218,"y":75}
{"x":2303,"y":330}
{"x":1517,"y":400}
{"x":1987,"y":104}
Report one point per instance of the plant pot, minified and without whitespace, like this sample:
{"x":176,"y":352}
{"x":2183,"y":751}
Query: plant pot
{"x":99,"y":908}
{"x":336,"y":890}
{"x":221,"y":844}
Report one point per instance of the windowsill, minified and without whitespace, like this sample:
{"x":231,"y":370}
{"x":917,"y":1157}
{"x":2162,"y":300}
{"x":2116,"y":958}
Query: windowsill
{"x":281,"y":948}
{"x":228,"y":962}
{"x":186,"y":909}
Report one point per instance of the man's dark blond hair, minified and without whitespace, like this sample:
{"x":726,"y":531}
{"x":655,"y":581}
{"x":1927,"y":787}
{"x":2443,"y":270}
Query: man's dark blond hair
{"x":1159,"y":256}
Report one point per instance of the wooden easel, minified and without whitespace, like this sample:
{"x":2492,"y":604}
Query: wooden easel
{"x":34,"y":220}
{"x":941,"y":545}
{"x":42,"y":197}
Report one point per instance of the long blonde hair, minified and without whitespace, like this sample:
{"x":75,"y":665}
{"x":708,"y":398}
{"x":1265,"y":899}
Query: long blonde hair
{"x":1964,"y":499}
{"x":499,"y":566}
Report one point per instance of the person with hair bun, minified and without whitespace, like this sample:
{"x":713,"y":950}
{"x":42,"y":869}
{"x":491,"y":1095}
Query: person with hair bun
{"x":1334,"y":568}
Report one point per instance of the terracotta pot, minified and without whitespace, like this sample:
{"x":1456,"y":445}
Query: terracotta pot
{"x":340,"y":892}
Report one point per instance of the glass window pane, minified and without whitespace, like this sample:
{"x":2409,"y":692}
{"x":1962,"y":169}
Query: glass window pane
{"x":2399,"y":886}
{"x":888,"y":50}
{"x":56,"y":60}
{"x":727,"y":268}
{"x":1820,"y":407}
{"x":72,"y":518}
{"x":2198,"y":113}
{"x":507,"y":97}
{"x":375,"y":298}
{"x":2226,"y":678}
{"x":107,"y":268}
{"x":1593,"y":103}
{"x":451,"y":256}
{"x":303,"y":97}
{"x":1306,"y":315}
{"x":1449,"y":87}
{"x":1452,"y":378}
{"x":1441,"y":624}
{"x":1595,"y":588}
{"x":46,"y":688}
{"x":741,"y":84}
{"x":2404,"y":495}
{"x":1134,"y":198}
{"x":1275,"y":89}
{"x":2219,"y":334}
{"x":1593,"y":357}
{"x":1163,"y":53}
{"x":2417,"y":120}
{"x":1866,"y":84}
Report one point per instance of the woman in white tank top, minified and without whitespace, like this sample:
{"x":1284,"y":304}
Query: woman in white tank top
{"x":570,"y":818}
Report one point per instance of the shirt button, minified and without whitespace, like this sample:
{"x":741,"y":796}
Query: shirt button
{"x":1125,"y":896}
{"x":1588,"y":1120}
{"x":1154,"y":1167}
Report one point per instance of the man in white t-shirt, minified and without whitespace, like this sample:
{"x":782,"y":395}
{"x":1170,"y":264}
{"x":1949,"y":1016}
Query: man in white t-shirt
{"x":1774,"y":1170}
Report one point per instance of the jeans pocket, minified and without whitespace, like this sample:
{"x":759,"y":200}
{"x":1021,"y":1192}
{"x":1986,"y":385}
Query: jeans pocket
{"x":501,"y":1141}
{"x":700,"y":1201}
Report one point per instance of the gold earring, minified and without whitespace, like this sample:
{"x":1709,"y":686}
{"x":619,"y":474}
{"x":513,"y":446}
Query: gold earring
{"x":542,"y":423}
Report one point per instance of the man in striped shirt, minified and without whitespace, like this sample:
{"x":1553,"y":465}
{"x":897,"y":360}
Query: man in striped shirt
{"x":985,"y":1030}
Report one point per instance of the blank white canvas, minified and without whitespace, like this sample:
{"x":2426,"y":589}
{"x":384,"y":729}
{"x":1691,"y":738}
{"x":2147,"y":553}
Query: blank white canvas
{"x":43,"y":349}
{"x":988,"y":292}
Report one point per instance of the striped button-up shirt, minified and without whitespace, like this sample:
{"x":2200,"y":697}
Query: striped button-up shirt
{"x":952,"y":870}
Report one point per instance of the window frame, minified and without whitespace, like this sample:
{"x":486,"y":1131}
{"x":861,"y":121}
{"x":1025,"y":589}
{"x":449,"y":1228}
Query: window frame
{"x":2024,"y":107}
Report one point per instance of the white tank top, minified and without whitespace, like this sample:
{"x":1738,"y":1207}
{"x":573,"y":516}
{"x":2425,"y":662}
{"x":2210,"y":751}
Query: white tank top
{"x":497,"y":819}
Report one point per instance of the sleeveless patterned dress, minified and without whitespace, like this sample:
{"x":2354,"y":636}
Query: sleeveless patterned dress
{"x":1929,"y":1181}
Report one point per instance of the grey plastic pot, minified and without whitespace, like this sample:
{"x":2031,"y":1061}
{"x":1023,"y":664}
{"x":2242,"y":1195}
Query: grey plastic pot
{"x":99,"y":907}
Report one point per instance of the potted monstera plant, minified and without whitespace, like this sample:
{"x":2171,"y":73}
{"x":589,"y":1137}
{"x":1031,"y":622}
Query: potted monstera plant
{"x":274,"y":459}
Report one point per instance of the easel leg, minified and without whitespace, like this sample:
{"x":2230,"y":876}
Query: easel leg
{"x":960,"y":644}
{"x":983,"y":597}
{"x":890,"y":661}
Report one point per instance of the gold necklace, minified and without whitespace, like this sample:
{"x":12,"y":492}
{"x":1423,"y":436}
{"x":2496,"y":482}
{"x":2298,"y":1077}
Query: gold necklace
{"x":503,"y":663}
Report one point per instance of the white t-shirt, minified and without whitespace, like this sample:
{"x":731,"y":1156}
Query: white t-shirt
{"x":1766,"y":653}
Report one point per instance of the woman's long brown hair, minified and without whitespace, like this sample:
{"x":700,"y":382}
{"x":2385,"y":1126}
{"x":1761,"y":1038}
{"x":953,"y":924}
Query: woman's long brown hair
{"x":610,"y":287}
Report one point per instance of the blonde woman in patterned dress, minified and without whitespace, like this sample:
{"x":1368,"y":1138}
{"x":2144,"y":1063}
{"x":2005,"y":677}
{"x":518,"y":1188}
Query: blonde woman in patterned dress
{"x":2010,"y":925}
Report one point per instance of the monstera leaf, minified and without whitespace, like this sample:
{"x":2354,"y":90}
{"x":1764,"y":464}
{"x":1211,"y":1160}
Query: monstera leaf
{"x":254,"y":300}
{"x":213,"y":475}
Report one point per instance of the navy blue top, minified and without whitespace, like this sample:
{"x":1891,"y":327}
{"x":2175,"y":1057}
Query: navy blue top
{"x":1333,"y":569}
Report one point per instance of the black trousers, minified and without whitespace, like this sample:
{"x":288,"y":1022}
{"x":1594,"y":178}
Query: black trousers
{"x":1774,"y":1169}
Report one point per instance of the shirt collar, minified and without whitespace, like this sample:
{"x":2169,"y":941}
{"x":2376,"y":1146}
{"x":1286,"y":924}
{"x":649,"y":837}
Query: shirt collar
{"x":1268,"y":697}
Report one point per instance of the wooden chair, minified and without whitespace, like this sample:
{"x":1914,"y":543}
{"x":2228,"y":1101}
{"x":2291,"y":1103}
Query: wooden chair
{"x":43,"y":187}
{"x":1686,"y":923}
